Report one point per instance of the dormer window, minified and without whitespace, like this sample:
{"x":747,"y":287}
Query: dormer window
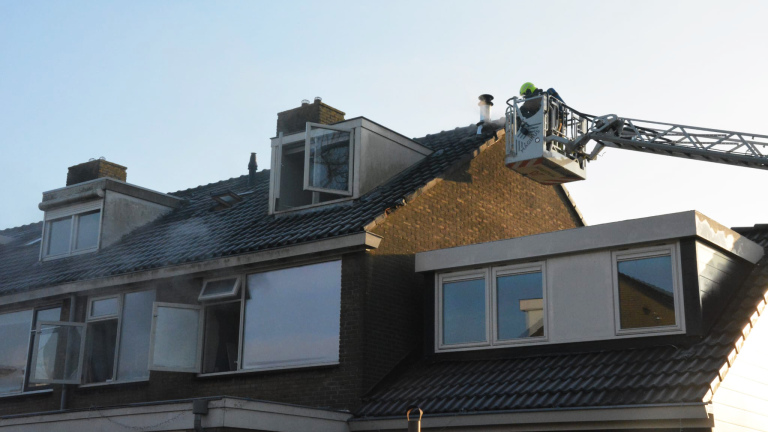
{"x":72,"y":231}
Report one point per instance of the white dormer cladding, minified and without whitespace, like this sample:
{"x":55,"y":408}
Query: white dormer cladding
{"x":87,"y":216}
{"x":661,"y":275}
{"x":333,"y":163}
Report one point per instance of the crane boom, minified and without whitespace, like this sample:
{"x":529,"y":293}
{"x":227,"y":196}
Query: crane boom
{"x":547,"y":140}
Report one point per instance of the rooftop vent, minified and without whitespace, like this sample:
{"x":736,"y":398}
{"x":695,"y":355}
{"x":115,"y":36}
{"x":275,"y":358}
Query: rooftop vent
{"x":95,"y":169}
{"x":485,"y":104}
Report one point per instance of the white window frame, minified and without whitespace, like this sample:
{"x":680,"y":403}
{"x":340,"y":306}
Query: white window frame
{"x":350,"y":172}
{"x":79,"y":372}
{"x":460,"y":276}
{"x":670,"y":250}
{"x":73,"y":213}
{"x":511,"y":270}
{"x":491,"y":319}
{"x":200,"y":333}
{"x":232,"y":294}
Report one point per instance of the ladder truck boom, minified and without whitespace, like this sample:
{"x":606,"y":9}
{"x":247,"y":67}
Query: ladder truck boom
{"x":547,"y":140}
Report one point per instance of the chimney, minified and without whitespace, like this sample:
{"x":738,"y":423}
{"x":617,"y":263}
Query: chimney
{"x":94,"y":169}
{"x":295,"y":120}
{"x":252,"y":167}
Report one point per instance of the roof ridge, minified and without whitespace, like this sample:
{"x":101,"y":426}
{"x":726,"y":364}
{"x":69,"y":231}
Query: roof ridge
{"x":29,"y":225}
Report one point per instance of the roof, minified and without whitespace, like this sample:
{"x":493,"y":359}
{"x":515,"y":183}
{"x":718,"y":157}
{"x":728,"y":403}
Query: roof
{"x":195,"y":233}
{"x":590,"y":378}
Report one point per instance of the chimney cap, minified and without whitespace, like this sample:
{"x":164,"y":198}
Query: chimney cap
{"x":304,"y":102}
{"x":318,"y":99}
{"x":485,"y":99}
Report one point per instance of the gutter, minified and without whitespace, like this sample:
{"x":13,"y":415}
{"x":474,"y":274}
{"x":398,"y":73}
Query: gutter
{"x":686,"y":415}
{"x":359,"y":241}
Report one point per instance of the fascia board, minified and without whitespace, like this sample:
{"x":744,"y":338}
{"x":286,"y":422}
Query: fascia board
{"x":611,"y":235}
{"x":365,"y":240}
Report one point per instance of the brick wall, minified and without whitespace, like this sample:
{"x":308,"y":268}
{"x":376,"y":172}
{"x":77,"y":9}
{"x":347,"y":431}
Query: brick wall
{"x":94,"y":169}
{"x":480,"y":201}
{"x":295,"y":120}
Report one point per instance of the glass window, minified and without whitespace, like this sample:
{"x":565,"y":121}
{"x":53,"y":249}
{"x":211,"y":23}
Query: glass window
{"x":646,"y":291}
{"x":463,"y":307}
{"x":175,"y":350}
{"x":15,"y":329}
{"x":56,"y":353}
{"x":59,"y":236}
{"x":75,"y":233}
{"x":329,"y":159}
{"x":519,"y":306}
{"x":87,"y":230}
{"x":219,"y":289}
{"x":301,"y":305}
{"x":117,"y":338}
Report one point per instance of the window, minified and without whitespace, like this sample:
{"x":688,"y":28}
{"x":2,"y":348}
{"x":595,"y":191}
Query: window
{"x":219,"y":289}
{"x":117,"y":338}
{"x":281,"y":319}
{"x":313,"y":168}
{"x":72,"y":233}
{"x":17,"y":330}
{"x":328,"y":159}
{"x":491,"y":307}
{"x":647,"y":290}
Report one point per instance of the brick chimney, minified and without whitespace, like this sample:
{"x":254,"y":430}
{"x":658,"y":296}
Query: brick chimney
{"x":295,"y":120}
{"x":94,"y":169}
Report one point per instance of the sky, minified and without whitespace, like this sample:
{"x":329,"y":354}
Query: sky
{"x":181,"y":92}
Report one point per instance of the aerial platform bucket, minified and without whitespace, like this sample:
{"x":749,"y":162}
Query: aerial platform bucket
{"x":536,"y":128}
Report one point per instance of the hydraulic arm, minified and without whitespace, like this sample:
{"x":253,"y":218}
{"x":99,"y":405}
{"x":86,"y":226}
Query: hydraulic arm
{"x":547,"y":140}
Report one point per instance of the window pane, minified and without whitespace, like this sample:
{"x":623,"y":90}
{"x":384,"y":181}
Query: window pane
{"x":56,"y":351}
{"x":134,"y":336}
{"x":59,"y":233}
{"x":104,"y":307}
{"x":292,"y":317}
{"x":222,"y":330}
{"x":329,"y":159}
{"x":464,"y":312}
{"x":219,"y":288}
{"x":101,"y":338}
{"x":646,"y":296}
{"x":53,"y":314}
{"x":174,"y":349}
{"x":87,"y":230}
{"x":520,"y":305}
{"x":14,"y":342}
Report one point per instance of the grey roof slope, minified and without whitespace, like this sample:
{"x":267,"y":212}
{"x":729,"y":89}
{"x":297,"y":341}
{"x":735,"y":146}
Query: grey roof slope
{"x":194,"y":233}
{"x":629,"y":376}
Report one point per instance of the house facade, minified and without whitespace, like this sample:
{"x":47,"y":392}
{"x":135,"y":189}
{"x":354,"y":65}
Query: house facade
{"x":275,"y":300}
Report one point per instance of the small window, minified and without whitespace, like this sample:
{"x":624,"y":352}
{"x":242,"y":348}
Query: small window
{"x":463,"y":309}
{"x":647,"y":297}
{"x":217,"y":289}
{"x":174,"y":349}
{"x":328,"y":154}
{"x":72,"y":234}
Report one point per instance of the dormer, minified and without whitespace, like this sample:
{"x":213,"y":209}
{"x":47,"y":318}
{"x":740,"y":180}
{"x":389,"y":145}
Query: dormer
{"x":667,"y":275}
{"x":95,"y":209}
{"x":319,"y":158}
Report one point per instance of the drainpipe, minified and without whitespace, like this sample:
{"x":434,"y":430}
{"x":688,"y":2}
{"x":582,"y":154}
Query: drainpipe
{"x":414,"y":425}
{"x":65,"y":387}
{"x":199,"y":409}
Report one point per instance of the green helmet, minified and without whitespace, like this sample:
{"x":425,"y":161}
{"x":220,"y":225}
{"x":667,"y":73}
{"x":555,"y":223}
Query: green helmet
{"x":526,"y":88}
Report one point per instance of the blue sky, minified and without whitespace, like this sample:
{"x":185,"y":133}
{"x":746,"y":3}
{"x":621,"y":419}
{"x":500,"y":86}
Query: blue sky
{"x":182,"y":92}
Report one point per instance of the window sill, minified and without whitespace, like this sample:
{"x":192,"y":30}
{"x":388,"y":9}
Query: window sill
{"x":112,"y":383}
{"x":28,"y":393}
{"x":310,"y":207}
{"x":274,"y":369}
{"x":539,"y":340}
{"x":70,"y":254}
